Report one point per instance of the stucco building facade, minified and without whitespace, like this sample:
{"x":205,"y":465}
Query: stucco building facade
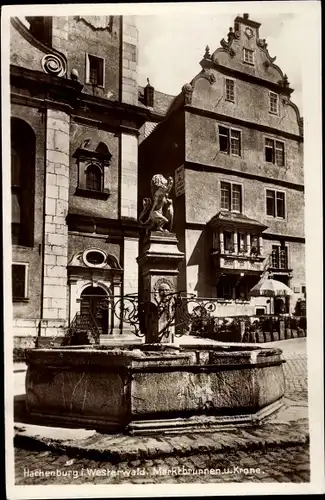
{"x":75,"y":121}
{"x":86,"y":140}
{"x":233,"y":141}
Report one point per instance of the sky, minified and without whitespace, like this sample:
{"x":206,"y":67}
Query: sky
{"x":171,"y":46}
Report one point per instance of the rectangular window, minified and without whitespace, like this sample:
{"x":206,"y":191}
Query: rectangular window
{"x":230,"y":90}
{"x":280,"y":204}
{"x":19,"y":281}
{"x":236,"y":198}
{"x":273,"y":103}
{"x":224,"y":139}
{"x":270,"y":203}
{"x":235,"y":142}
{"x":279,"y":257}
{"x":231,"y":197}
{"x":279,"y":153}
{"x":249,"y":56}
{"x":275,"y":203}
{"x":95,"y":70}
{"x":230,"y":141}
{"x":274,"y":152}
{"x":225,"y":196}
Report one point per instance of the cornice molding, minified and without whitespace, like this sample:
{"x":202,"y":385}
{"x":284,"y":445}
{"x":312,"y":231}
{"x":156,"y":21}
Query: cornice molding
{"x":243,"y":123}
{"x":69,"y":93}
{"x":113,"y":228}
{"x":266,"y":235}
{"x":190,"y":165}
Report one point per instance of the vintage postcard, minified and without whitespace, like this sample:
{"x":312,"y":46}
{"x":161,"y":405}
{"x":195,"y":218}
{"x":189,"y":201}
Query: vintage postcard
{"x":162,"y":249}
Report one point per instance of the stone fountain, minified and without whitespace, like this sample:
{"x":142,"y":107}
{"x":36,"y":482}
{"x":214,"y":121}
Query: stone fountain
{"x":155,"y":386}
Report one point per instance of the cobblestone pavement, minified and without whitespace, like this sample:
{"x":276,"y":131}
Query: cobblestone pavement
{"x":295,"y":372}
{"x":275,"y":465}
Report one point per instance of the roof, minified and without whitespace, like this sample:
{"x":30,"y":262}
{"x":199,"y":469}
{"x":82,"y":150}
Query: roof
{"x":162,"y":101}
{"x":231,"y":218}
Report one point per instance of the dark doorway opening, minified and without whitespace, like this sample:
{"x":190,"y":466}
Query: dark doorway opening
{"x":94,"y":304}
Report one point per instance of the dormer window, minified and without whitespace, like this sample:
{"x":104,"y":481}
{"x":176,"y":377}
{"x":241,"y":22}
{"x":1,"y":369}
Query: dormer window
{"x":249,"y":56}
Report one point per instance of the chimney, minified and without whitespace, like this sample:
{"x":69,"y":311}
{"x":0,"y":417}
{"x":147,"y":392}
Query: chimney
{"x":149,"y":93}
{"x":246,"y":16}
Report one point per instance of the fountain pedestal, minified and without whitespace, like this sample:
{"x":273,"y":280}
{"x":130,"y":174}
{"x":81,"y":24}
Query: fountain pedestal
{"x":158,"y":265}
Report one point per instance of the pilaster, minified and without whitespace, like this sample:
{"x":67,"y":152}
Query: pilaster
{"x":129,"y":83}
{"x":56,"y":209}
{"x":129,"y":176}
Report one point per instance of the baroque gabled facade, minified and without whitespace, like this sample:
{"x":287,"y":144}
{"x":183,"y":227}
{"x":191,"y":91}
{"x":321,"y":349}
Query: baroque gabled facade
{"x":233,"y":140}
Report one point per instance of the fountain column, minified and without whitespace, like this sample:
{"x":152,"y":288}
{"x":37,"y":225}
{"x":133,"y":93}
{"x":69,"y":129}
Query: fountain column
{"x":158,"y":263}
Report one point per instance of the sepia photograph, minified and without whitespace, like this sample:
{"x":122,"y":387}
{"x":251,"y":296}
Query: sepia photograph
{"x":162,"y":249}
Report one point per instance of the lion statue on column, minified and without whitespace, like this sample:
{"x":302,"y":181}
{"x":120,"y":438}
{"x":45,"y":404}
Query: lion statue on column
{"x":158,"y":211}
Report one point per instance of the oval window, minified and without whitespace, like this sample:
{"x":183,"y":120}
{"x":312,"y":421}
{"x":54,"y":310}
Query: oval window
{"x":95,"y":258}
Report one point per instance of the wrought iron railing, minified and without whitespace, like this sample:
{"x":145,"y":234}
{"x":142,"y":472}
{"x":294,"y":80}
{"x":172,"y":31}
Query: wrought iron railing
{"x":183,"y":313}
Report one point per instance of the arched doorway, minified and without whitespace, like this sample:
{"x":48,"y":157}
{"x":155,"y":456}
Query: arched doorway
{"x":94,"y":304}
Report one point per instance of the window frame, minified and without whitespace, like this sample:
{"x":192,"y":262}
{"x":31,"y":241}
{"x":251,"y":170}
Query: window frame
{"x":230,"y":185}
{"x":87,"y":79}
{"x":277,"y":247}
{"x":101,"y":173}
{"x":275,"y":148}
{"x":227,"y":79}
{"x":271,"y":93}
{"x":249,"y":51}
{"x":230,"y":138}
{"x":25,"y":298}
{"x":276,"y":192}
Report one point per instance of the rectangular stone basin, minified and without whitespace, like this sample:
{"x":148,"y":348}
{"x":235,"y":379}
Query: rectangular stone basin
{"x":153,"y":388}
